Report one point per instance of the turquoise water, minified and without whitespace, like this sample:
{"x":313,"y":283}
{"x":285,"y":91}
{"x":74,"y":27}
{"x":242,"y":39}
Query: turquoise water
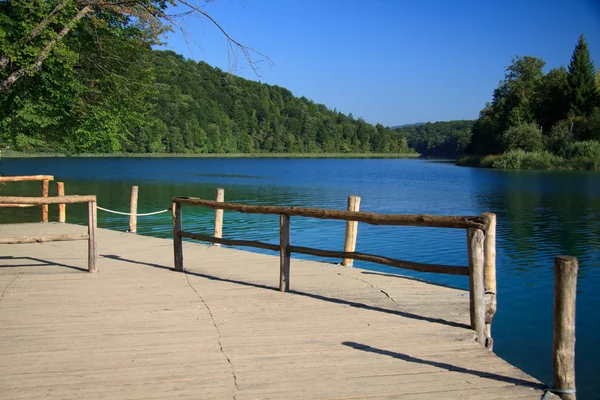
{"x":540,"y":215}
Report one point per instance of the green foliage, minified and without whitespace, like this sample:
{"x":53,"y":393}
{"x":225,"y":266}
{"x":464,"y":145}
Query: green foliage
{"x":103,"y":89}
{"x":520,"y":159}
{"x":582,"y":81}
{"x":587,"y":128}
{"x":526,"y":136}
{"x":95,"y":85}
{"x":439,"y":139}
{"x":552,"y":99}
{"x":542,"y":121}
{"x":514,"y":103}
{"x":559,"y":138}
{"x":201,"y":109}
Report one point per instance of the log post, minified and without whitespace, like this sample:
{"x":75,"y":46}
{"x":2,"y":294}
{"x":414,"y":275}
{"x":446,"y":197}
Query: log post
{"x":284,"y":253}
{"x":475,"y":238}
{"x":92,"y":242}
{"x":489,"y":275}
{"x":177,"y":241}
{"x":220,"y":197}
{"x":45,"y":184}
{"x":62,"y":208}
{"x":563,"y":343}
{"x":351,"y":230}
{"x":133,"y":210}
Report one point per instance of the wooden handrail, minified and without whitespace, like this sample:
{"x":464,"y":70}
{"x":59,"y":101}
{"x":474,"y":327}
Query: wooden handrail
{"x":433,"y":221}
{"x":481,"y":255}
{"x":26,"y":178}
{"x":45,"y":186}
{"x":8,"y":201}
{"x":47,"y":200}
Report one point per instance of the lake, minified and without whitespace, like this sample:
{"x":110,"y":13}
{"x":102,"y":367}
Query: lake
{"x":540,"y":215}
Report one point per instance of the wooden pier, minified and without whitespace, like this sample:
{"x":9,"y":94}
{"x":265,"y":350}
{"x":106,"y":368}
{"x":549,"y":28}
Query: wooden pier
{"x":137,"y":329}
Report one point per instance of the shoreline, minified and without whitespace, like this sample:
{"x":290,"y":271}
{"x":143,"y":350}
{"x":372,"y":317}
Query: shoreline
{"x":15,"y":154}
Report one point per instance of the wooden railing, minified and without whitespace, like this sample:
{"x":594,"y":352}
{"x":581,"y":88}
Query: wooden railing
{"x":10,"y":201}
{"x":45,"y":185}
{"x":481,"y":231}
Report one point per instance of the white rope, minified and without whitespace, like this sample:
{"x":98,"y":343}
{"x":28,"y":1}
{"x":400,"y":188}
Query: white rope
{"x":139,"y":215}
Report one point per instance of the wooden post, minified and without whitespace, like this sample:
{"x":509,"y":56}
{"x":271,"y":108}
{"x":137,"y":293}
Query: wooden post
{"x":62,"y":208}
{"x":351,"y":230}
{"x":219,"y":215}
{"x":177,"y":241}
{"x":92,"y":227}
{"x":563,"y":343}
{"x":133,"y":210}
{"x":284,"y":253}
{"x":475,"y":240}
{"x":489,"y":275}
{"x":45,"y":184}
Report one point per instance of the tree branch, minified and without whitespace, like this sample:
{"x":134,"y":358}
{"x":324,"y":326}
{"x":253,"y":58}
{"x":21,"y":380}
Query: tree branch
{"x":37,"y":65}
{"x":4,"y":60}
{"x":247,"y":51}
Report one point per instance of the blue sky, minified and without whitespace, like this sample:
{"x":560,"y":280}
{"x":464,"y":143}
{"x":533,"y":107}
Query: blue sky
{"x":392,"y":61}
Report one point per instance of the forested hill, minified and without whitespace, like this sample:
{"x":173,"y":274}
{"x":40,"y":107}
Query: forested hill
{"x":439,"y":139}
{"x":160,"y":102}
{"x":203,"y":109}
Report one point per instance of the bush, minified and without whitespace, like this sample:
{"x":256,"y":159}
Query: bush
{"x":527,"y":137}
{"x":584,"y":155}
{"x":477,"y":161}
{"x":560,"y":136}
{"x":589,"y":148}
{"x":520,"y":159}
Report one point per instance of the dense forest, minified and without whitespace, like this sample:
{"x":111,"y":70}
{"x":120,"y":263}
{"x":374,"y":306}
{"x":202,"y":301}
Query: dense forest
{"x":438,"y":139}
{"x":102,"y":88}
{"x":540,"y":120}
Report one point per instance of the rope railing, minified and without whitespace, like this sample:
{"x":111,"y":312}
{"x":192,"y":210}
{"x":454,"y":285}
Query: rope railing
{"x":139,"y":215}
{"x":133,"y":214}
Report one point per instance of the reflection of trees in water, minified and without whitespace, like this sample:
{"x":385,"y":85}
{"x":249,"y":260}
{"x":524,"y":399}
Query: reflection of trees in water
{"x":542,"y":218}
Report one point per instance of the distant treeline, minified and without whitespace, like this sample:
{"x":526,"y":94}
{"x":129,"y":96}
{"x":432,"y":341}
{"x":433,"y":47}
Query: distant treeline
{"x":202,"y":109}
{"x":540,"y":120}
{"x":438,"y":139}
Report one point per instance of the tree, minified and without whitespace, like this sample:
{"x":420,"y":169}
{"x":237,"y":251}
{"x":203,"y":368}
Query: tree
{"x":525,"y":137}
{"x":552,"y":103}
{"x":582,"y":81}
{"x":513,"y":104}
{"x":33,"y":30}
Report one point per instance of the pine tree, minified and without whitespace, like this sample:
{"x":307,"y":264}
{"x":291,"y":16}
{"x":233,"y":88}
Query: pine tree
{"x":582,"y":81}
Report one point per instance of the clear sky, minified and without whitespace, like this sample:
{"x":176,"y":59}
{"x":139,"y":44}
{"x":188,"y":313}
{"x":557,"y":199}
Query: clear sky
{"x":393,"y":61}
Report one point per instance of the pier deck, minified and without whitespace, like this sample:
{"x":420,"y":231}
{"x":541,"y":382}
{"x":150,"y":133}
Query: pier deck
{"x":139,"y":330}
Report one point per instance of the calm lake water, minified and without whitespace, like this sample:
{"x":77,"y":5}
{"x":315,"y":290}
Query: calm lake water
{"x":540,"y":215}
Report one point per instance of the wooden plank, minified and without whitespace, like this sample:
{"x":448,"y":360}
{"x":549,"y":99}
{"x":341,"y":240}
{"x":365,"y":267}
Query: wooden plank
{"x":458,"y":222}
{"x":153,"y":334}
{"x":26,"y":178}
{"x":229,"y":242}
{"x":47,"y":200}
{"x":392,"y":262}
{"x":44,"y":238}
